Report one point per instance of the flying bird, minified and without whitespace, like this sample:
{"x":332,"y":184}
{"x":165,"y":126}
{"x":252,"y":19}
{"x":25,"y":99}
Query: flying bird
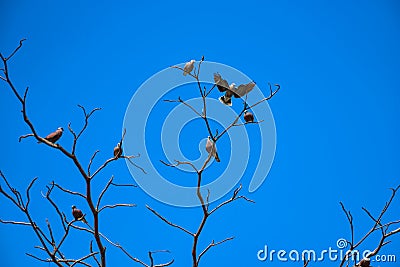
{"x":54,"y":136}
{"x":223,"y":86}
{"x":248,"y":116}
{"x":188,"y":67}
{"x":78,"y":215}
{"x":118,"y":151}
{"x":231,"y":90}
{"x":212,"y":149}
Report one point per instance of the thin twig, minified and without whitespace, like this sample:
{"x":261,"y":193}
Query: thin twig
{"x":168,"y":222}
{"x":212,"y":244}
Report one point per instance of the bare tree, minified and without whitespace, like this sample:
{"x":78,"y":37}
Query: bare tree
{"x":51,"y":246}
{"x":197,"y":254}
{"x":384,"y":228}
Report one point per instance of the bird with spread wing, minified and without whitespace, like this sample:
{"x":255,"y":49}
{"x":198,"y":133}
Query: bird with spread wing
{"x":231,"y":90}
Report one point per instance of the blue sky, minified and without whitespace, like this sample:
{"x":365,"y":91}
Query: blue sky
{"x":336,"y":116}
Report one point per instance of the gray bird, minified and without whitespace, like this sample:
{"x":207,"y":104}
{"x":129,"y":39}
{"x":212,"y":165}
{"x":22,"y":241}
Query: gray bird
{"x":231,"y":90}
{"x":78,"y":214}
{"x":118,"y":151}
{"x":212,"y":149}
{"x":54,"y":136}
{"x":188,"y":67}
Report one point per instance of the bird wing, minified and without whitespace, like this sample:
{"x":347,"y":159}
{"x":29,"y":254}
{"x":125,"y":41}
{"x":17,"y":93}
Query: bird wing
{"x":244,"y":89}
{"x":53,"y":135}
{"x":211,"y":148}
{"x":221,"y":83}
{"x":116,"y":151}
{"x":208,"y":146}
{"x":77,"y":213}
{"x":188,"y":68}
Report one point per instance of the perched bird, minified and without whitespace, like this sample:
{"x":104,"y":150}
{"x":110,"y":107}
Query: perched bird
{"x":231,"y":90}
{"x":54,"y":136}
{"x":188,"y":67}
{"x":211,"y":148}
{"x":78,"y":215}
{"x":248,"y":116}
{"x":118,"y":151}
{"x":365,"y":262}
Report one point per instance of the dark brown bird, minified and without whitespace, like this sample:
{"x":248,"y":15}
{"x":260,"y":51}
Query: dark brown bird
{"x":118,"y":151}
{"x":365,"y":262}
{"x":78,"y":215}
{"x":248,"y":116}
{"x":54,"y":136}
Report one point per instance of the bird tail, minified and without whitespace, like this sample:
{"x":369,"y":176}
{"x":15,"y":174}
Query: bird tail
{"x":217,"y":157}
{"x":185,"y":73}
{"x":226,"y":101}
{"x":83,"y":219}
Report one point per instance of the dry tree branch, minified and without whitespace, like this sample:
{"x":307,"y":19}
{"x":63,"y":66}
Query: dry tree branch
{"x":108,"y":161}
{"x":186,"y":104}
{"x":76,"y":136}
{"x":350,"y":220}
{"x":103,"y":192}
{"x":24,"y":207}
{"x":383,"y":228}
{"x":83,"y":258}
{"x":124,"y":185}
{"x":115,"y":206}
{"x":24,"y":136}
{"x":249,"y":122}
{"x":177,"y":163}
{"x":87,"y":177}
{"x":212,"y":244}
{"x":15,"y":222}
{"x":168,"y":222}
{"x":68,"y":191}
{"x":215,"y":137}
{"x":94,"y":256}
{"x":134,"y":164}
{"x":150,"y":256}
{"x":152,"y":261}
{"x":91,"y":161}
{"x":109,"y":183}
{"x":233,"y":198}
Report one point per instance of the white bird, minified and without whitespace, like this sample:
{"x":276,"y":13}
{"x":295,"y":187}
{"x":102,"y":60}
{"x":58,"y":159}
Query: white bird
{"x":188,"y":67}
{"x":231,"y":90}
{"x":212,"y":149}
